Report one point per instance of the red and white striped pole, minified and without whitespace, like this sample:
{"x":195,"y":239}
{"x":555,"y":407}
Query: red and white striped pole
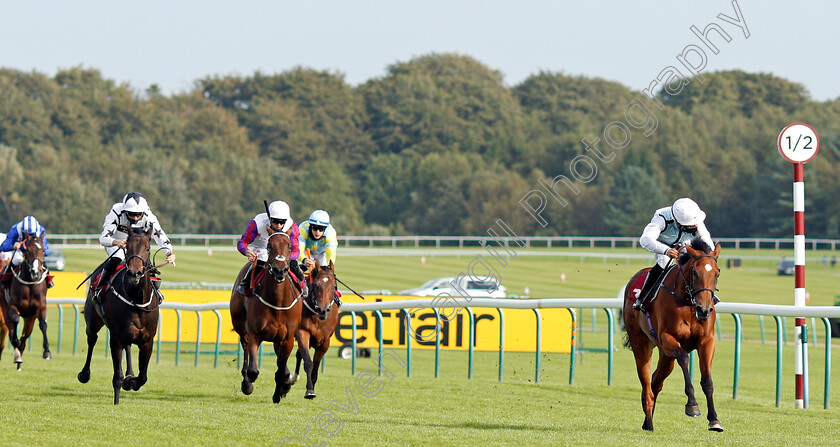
{"x":799,"y":279}
{"x":798,"y":143}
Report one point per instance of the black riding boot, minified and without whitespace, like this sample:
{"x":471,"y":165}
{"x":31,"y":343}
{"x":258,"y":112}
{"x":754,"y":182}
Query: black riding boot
{"x":294,"y":265}
{"x":108,"y":269}
{"x":653,"y":276}
{"x":244,"y":287}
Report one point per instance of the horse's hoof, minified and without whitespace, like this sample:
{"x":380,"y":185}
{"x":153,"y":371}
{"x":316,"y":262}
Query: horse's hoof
{"x":715,"y":426}
{"x":135,"y":385}
{"x":18,"y":366}
{"x":309,"y":395}
{"x":47,"y":355}
{"x":293,"y":380}
{"x":252,"y":375}
{"x":84,"y":377}
{"x":18,"y":358}
{"x":247,"y":388}
{"x":276,"y":399}
{"x":647,"y":426}
{"x":692,"y":410}
{"x":127,"y":381}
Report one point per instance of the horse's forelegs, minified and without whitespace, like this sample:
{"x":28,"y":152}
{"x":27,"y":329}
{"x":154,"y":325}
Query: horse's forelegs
{"x":42,"y":324}
{"x":28,"y":326}
{"x":691,"y":407}
{"x":316,"y":361}
{"x":94,"y":324}
{"x":249,"y":364}
{"x":145,"y":356}
{"x":129,"y":370}
{"x":117,"y":380}
{"x":642,"y":351}
{"x":282,"y":376}
{"x":706,"y":353}
{"x":4,"y":331}
{"x":298,"y":359}
{"x":303,"y":354}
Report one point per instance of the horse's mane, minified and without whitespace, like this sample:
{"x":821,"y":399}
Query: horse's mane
{"x":698,"y":244}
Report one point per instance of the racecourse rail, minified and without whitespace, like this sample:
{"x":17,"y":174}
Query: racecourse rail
{"x":228,"y":241}
{"x":607,"y":304}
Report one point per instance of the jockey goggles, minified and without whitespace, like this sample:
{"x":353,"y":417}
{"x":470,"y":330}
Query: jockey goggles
{"x":277,"y":222}
{"x":134,"y":216}
{"x":318,"y":228}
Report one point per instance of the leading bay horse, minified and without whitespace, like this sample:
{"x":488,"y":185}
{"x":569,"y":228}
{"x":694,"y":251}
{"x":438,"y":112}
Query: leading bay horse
{"x":270,"y":313}
{"x":26,"y":296}
{"x":317,"y":325}
{"x":4,"y":330}
{"x":680,"y":319}
{"x":130,"y":309}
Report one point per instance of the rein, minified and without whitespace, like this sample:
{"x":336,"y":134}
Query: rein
{"x":274,"y":272}
{"x":42,"y":273}
{"x":312,"y":291}
{"x":689,"y":288}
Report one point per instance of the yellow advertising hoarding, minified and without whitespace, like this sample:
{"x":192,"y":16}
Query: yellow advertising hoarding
{"x":520,"y":325}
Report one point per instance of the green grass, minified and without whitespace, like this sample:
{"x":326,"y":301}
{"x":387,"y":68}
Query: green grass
{"x":186,"y":405}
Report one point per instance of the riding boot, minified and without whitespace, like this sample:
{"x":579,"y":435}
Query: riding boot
{"x":244,"y":287}
{"x":652,"y":278}
{"x":104,"y":278}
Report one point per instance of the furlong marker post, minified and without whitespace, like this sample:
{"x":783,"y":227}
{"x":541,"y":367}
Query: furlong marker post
{"x":799,"y":143}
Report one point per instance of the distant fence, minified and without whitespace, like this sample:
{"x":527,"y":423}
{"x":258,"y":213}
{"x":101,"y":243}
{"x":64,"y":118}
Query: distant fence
{"x":228,"y":241}
{"x":607,"y":304}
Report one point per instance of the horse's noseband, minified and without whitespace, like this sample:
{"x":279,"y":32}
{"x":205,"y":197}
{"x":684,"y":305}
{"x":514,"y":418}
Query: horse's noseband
{"x":689,"y":285}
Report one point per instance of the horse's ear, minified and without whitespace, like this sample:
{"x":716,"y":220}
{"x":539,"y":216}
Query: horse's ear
{"x":691,"y":251}
{"x":332,"y":266}
{"x":716,"y":253}
{"x":150,"y":231}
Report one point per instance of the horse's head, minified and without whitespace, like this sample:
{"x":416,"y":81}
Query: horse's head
{"x":33,"y":254}
{"x":137,"y":255}
{"x":701,"y":273}
{"x":323,"y":289}
{"x":279,"y":254}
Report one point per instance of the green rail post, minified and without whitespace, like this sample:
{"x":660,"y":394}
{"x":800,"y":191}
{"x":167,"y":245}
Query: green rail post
{"x":470,"y":350}
{"x":197,"y":337}
{"x":259,"y":355}
{"x":218,"y":336}
{"x":717,"y":328}
{"x":107,"y":342}
{"x":378,"y":314}
{"x":573,"y":347}
{"x":761,"y":325}
{"x":407,"y":342}
{"x":610,"y":344}
{"x":60,"y":325}
{"x":438,"y":327}
{"x":738,"y":337}
{"x":239,"y":355}
{"x":501,"y":343}
{"x":814,"y":325}
{"x":827,"y":393}
{"x":353,"y":358}
{"x":539,"y":343}
{"x":691,"y":366}
{"x":784,"y":325}
{"x":76,"y":330}
{"x":178,"y":337}
{"x":780,"y":331}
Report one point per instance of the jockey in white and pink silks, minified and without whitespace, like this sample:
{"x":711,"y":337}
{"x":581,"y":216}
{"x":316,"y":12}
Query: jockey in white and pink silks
{"x":668,"y":231}
{"x":256,"y":236}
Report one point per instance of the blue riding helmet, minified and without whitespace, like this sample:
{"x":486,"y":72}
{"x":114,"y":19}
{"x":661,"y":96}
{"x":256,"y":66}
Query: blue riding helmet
{"x":320,"y":218}
{"x":31,"y":225}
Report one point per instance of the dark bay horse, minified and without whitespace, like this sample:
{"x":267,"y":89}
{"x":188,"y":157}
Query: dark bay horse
{"x":271,"y":314}
{"x":130,"y":309}
{"x":4,"y":330}
{"x":681,"y":319}
{"x":317,"y":325}
{"x":27,"y":296}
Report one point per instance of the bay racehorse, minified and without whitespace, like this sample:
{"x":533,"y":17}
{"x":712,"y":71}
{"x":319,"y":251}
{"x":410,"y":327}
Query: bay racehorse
{"x":270,"y":313}
{"x":317,"y":325}
{"x":4,"y":330}
{"x":130,"y":309}
{"x":26,"y":296}
{"x":680,"y":319}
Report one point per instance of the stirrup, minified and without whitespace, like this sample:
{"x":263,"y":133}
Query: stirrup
{"x":639,"y":305}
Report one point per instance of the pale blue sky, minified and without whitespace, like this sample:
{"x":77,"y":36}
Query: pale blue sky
{"x":175,"y":42}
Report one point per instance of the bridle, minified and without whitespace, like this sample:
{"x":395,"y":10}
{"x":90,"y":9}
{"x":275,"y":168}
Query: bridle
{"x":278,"y":274}
{"x":689,"y":284}
{"x":147,"y":265}
{"x":39,"y":277}
{"x":313,"y":307}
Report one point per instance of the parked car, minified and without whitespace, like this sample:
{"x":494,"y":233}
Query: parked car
{"x":55,"y":261}
{"x":473,"y":288}
{"x":786,"y":267}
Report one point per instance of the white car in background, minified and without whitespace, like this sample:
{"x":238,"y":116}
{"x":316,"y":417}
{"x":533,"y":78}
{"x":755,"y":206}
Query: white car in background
{"x":466,"y":288}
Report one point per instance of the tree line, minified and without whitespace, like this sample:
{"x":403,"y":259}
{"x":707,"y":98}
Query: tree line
{"x":437,"y":146}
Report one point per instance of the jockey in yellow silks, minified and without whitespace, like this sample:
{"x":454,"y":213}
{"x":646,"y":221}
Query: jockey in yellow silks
{"x":318,"y":238}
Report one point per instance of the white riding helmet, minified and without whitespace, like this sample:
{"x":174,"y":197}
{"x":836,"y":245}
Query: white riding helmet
{"x":31,"y":225}
{"x":279,"y":210}
{"x":687,"y":213}
{"x":320,"y":218}
{"x":134,"y":202}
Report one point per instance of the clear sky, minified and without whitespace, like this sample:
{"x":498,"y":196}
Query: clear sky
{"x":174,"y":42}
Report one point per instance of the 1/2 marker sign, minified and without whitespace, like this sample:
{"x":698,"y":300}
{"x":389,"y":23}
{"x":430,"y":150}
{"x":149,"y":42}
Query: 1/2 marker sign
{"x":798,"y":143}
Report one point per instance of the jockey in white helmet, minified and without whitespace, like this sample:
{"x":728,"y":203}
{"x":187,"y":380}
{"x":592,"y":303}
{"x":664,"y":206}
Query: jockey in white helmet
{"x":254,"y":241}
{"x":132,"y":212}
{"x":669,"y":230}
